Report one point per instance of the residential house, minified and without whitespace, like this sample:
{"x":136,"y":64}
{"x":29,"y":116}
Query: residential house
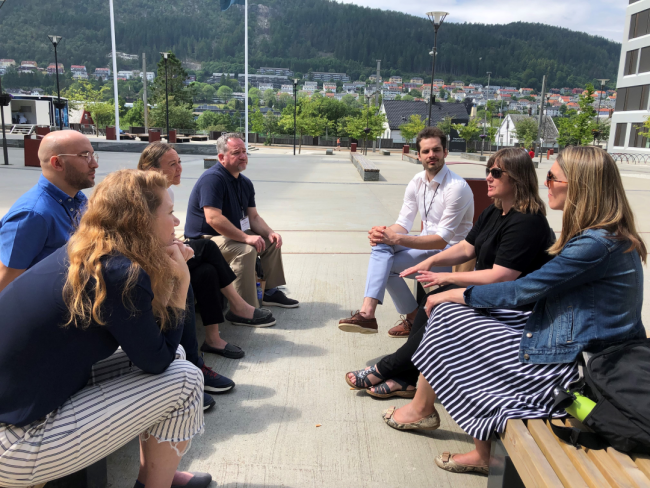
{"x":417,"y":80}
{"x":358,"y":84}
{"x":125,"y":74}
{"x":460,"y":96}
{"x":31,"y":64}
{"x":256,"y":79}
{"x":410,"y":86}
{"x":275,"y":71}
{"x":78,"y":72}
{"x":389,"y":94}
{"x":565,"y":91}
{"x":310,"y":86}
{"x":217,"y":77}
{"x":399,"y":112}
{"x":51,"y":69}
{"x":340,"y":96}
{"x":329,"y":87}
{"x":458,"y":84}
{"x":396,"y":79}
{"x":186,"y":82}
{"x":506,"y":135}
{"x":373,"y":78}
{"x":7,"y":63}
{"x":438,"y":82}
{"x":286,"y":89}
{"x":323,"y":76}
{"x":349,"y":87}
{"x":265,"y":86}
{"x":151,"y":75}
{"x":101,"y":73}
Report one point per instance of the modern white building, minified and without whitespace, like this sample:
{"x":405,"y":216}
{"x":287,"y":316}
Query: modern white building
{"x":633,"y":84}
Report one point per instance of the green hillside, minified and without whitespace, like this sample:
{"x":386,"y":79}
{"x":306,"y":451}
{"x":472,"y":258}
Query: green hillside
{"x":301,"y":34}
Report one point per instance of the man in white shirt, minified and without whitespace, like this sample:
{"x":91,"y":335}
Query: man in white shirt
{"x":446,"y":206}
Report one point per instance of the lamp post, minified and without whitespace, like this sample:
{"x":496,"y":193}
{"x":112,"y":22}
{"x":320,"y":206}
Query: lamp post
{"x":5,"y":100}
{"x":436,"y":18}
{"x":165,"y":56}
{"x":487,"y":99}
{"x":55,"y":40}
{"x":367,"y":129}
{"x":295,"y":108}
{"x":600,"y":96}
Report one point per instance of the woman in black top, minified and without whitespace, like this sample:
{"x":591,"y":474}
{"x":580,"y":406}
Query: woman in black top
{"x":89,"y":345}
{"x":509,"y":240}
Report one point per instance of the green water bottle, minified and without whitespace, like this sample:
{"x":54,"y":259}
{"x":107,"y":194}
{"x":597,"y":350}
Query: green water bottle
{"x":581,"y":407}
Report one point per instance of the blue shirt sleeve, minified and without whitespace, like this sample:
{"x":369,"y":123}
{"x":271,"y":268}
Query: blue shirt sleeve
{"x":211,"y":192}
{"x":22,"y":238}
{"x":136,"y":329}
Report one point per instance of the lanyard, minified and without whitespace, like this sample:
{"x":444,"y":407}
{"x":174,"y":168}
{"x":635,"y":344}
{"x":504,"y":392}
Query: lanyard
{"x":238,"y":194}
{"x":424,"y":203}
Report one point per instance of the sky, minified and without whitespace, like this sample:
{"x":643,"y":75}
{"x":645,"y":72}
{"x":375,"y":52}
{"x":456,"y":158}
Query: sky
{"x":597,"y":17}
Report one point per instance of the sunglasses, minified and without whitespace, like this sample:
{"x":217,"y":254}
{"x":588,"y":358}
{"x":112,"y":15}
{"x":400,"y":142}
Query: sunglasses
{"x":495,"y":172}
{"x":550,"y":179}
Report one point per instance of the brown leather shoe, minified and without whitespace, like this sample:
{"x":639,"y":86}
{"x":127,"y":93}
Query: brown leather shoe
{"x":402,"y":329}
{"x":358,"y":323}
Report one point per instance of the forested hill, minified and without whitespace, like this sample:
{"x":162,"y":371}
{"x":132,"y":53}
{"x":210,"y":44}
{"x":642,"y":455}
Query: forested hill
{"x":301,"y":34}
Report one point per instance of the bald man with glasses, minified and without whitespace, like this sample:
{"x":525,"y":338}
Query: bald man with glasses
{"x":42,"y":220}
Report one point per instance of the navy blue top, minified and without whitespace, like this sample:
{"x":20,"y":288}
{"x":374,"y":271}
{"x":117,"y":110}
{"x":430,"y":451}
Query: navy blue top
{"x":42,"y":364}
{"x":217,"y":188}
{"x":39,"y":223}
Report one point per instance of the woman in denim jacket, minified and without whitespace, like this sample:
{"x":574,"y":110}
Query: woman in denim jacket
{"x":488,"y":362}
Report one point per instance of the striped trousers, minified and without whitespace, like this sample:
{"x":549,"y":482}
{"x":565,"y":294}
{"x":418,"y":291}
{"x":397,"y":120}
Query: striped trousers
{"x":119,"y":403}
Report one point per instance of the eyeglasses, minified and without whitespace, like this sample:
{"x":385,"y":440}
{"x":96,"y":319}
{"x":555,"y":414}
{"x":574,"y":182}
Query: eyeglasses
{"x":86,"y":154}
{"x":495,"y":172}
{"x":550,"y":179}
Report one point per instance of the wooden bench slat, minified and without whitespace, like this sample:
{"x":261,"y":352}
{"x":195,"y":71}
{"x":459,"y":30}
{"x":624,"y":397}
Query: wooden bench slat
{"x":643,"y":463}
{"x":585,"y":466}
{"x":634,"y":474}
{"x":533,"y":468}
{"x":557,"y":458}
{"x":605,"y":463}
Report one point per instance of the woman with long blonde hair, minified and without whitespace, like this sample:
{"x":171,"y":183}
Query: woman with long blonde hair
{"x":104,"y":315}
{"x":487,"y":361}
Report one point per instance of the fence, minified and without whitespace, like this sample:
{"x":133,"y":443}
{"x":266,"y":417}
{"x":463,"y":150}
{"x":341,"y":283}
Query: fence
{"x":631,"y":158}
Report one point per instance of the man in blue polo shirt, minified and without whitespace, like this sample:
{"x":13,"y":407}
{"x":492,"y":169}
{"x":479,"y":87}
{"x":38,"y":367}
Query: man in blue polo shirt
{"x":41,"y":220}
{"x":222,"y":208}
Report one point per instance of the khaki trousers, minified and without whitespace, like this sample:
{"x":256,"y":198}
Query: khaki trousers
{"x":242,"y":258}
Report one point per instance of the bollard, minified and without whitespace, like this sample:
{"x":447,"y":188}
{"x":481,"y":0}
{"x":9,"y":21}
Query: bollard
{"x":31,"y":151}
{"x":548,"y":154}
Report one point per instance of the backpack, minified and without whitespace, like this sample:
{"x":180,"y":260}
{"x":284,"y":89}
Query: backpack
{"x":618,"y":380}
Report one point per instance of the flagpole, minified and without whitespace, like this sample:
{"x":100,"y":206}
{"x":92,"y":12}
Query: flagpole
{"x":246,"y":70}
{"x":117,"y":107}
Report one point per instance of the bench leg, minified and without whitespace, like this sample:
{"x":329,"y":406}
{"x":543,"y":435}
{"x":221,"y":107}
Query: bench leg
{"x":503,"y":473}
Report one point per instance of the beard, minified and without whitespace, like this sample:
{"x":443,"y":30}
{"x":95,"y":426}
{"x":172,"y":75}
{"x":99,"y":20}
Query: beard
{"x":77,"y":179}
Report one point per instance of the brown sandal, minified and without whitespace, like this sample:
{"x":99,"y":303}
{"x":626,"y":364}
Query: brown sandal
{"x":382,"y":390}
{"x":446,"y":461}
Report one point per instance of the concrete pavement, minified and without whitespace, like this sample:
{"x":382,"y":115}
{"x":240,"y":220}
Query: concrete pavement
{"x":264,"y":433}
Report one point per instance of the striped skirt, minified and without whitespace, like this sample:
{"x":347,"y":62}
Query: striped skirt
{"x":471,"y":362}
{"x":119,"y":403}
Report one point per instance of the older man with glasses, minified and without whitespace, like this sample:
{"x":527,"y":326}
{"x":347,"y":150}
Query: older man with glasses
{"x":41,"y":220}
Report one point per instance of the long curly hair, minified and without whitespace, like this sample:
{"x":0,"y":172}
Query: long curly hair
{"x":119,"y":220}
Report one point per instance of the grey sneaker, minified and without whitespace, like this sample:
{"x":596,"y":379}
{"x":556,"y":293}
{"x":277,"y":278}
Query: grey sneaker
{"x":261,"y":318}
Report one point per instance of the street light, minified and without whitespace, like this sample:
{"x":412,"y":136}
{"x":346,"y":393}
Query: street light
{"x":600,"y":96}
{"x":55,"y":40}
{"x":5,"y":100}
{"x":295,"y":108}
{"x":487,"y":99}
{"x":367,"y":129}
{"x":436,"y":18}
{"x":165,"y":56}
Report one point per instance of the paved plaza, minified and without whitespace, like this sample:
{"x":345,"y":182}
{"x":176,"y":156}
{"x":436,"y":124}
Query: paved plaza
{"x":292,"y":421}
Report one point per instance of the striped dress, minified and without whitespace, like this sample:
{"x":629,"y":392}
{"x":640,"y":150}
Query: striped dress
{"x":472,"y":363}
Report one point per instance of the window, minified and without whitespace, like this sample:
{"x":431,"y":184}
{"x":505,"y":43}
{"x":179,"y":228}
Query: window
{"x":631,"y":59}
{"x":621,"y":96}
{"x":632,"y":98}
{"x":619,"y":137}
{"x":644,"y":63}
{"x":639,"y":24}
{"x":636,"y":139}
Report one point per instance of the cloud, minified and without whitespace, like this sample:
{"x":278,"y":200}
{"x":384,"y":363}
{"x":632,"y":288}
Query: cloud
{"x":597,"y":17}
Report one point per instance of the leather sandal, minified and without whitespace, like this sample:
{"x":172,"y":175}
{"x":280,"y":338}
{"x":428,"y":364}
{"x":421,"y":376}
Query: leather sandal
{"x":432,"y":422}
{"x":446,"y":461}
{"x":361,"y":378}
{"x":382,"y":390}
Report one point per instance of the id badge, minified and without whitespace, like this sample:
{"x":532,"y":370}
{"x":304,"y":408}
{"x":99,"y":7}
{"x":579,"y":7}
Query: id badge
{"x":245,"y":224}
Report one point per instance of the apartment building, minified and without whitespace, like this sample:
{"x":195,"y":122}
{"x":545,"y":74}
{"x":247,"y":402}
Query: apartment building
{"x":322,"y":76}
{"x":633,"y":84}
{"x":275,"y":71}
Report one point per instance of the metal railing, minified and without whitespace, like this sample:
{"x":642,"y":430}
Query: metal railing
{"x":631,"y":158}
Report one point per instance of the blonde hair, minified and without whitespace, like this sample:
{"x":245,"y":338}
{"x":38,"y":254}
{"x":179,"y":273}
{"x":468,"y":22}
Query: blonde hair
{"x":119,"y":220}
{"x":520,"y":169}
{"x":150,"y":157}
{"x":595,"y":199}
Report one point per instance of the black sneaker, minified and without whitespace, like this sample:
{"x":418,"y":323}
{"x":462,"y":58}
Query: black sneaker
{"x":214,"y":382}
{"x":208,"y":402}
{"x":279,"y":299}
{"x":261,"y":318}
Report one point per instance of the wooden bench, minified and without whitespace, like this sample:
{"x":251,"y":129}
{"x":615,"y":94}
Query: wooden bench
{"x":529,"y":455}
{"x":367,"y":170}
{"x":410,"y":158}
{"x":199,"y":138}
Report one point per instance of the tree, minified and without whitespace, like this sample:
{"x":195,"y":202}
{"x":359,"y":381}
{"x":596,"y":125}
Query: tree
{"x":179,"y":117}
{"x":207,"y":119}
{"x":411,"y":129}
{"x":269,"y":97}
{"x":308,"y":122}
{"x":179,"y":94}
{"x":370,"y":118}
{"x":445,"y":125}
{"x":415,"y":93}
{"x":526,"y":131}
{"x":256,"y":119}
{"x":271,"y":126}
{"x":135,"y":116}
{"x":575,"y":130}
{"x":408,"y":98}
{"x":225,"y":93}
{"x":468,"y":132}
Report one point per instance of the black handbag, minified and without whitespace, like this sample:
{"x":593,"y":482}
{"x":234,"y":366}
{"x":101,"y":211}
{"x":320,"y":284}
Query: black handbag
{"x":618,"y":380}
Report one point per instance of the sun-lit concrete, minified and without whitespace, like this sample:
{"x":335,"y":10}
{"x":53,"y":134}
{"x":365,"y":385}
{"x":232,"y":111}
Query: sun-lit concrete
{"x":264,"y":433}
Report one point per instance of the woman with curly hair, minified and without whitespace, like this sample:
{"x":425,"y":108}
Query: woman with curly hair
{"x":104,"y":315}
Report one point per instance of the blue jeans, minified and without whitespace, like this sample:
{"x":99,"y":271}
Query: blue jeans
{"x":386,"y":263}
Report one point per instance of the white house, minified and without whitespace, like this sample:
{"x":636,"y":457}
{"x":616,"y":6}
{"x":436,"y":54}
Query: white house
{"x":506,"y":135}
